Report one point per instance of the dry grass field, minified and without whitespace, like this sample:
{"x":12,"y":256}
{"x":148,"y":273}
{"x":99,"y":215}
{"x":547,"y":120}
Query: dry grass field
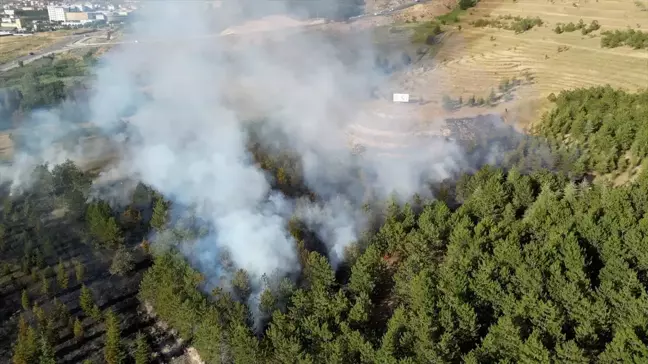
{"x":474,"y":60}
{"x":13,"y":47}
{"x":6,"y":146}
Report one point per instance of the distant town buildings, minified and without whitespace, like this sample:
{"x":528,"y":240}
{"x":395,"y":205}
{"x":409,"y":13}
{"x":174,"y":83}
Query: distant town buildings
{"x":11,"y":23}
{"x":9,"y":20}
{"x":39,"y":15}
{"x":56,"y":13}
{"x":79,"y":14}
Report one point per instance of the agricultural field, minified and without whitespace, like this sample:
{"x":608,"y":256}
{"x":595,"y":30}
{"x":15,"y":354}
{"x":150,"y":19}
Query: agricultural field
{"x":481,"y":49}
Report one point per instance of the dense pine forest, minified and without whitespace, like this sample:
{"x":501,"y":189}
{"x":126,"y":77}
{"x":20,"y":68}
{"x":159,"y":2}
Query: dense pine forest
{"x":541,"y":258}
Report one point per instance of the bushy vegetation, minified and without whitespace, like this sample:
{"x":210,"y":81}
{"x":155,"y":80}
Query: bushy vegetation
{"x":630,"y":37}
{"x":42,"y":84}
{"x":509,"y":22}
{"x":571,"y":27}
{"x":505,"y":89}
{"x":426,"y":32}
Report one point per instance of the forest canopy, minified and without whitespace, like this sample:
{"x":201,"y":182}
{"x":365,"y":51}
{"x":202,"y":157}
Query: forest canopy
{"x":526,"y":261}
{"x":513,"y":264}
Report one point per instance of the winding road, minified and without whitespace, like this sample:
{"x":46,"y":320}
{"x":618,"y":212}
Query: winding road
{"x":63,"y":45}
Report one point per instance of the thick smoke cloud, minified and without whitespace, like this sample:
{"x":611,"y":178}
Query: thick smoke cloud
{"x":187,"y":138}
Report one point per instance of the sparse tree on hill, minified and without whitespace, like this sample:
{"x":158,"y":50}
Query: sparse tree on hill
{"x":102,"y":225}
{"x":77,"y":329}
{"x":2,"y":237}
{"x":79,"y":271}
{"x":61,"y":275}
{"x":24,"y":300}
{"x":85,"y":300}
{"x":46,"y":352}
{"x":60,"y":310}
{"x":45,"y":285}
{"x":447,"y":102}
{"x":466,"y":4}
{"x":39,"y":259}
{"x":241,"y":284}
{"x":267,"y":302}
{"x":40,"y":314}
{"x":6,"y":269}
{"x":95,"y":312}
{"x":159,"y":218}
{"x":122,"y":262}
{"x":26,"y":347}
{"x":113,"y":353}
{"x":112,"y":234}
{"x":142,"y":351}
{"x":492,"y":97}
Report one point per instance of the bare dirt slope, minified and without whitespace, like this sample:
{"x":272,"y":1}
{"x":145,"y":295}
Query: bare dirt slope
{"x":270,"y":23}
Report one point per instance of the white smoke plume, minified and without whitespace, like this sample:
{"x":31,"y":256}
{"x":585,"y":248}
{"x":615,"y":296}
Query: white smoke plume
{"x":188,"y":137}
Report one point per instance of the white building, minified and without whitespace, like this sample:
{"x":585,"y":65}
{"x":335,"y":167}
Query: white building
{"x":56,"y":13}
{"x":401,"y":98}
{"x":10,"y":12}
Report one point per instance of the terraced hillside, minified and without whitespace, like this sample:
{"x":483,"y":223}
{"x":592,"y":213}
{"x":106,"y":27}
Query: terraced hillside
{"x":472,"y":60}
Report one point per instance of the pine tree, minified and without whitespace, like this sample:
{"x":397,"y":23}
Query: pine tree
{"x":39,"y":313}
{"x":85,"y":300}
{"x":142,"y":351}
{"x":159,"y":218}
{"x":61,"y":275}
{"x":95,"y":312}
{"x":47,"y":352}
{"x":2,"y":237}
{"x":22,"y":326}
{"x":241,"y":284}
{"x":112,"y":234}
{"x":45,"y":285}
{"x":267,"y":302}
{"x":26,"y":347}
{"x":60,"y":310}
{"x":492,"y":97}
{"x":122,"y":262}
{"x":77,"y":329}
{"x":113,"y":353}
{"x":24,"y":300}
{"x":79,"y":271}
{"x":6,"y":269}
